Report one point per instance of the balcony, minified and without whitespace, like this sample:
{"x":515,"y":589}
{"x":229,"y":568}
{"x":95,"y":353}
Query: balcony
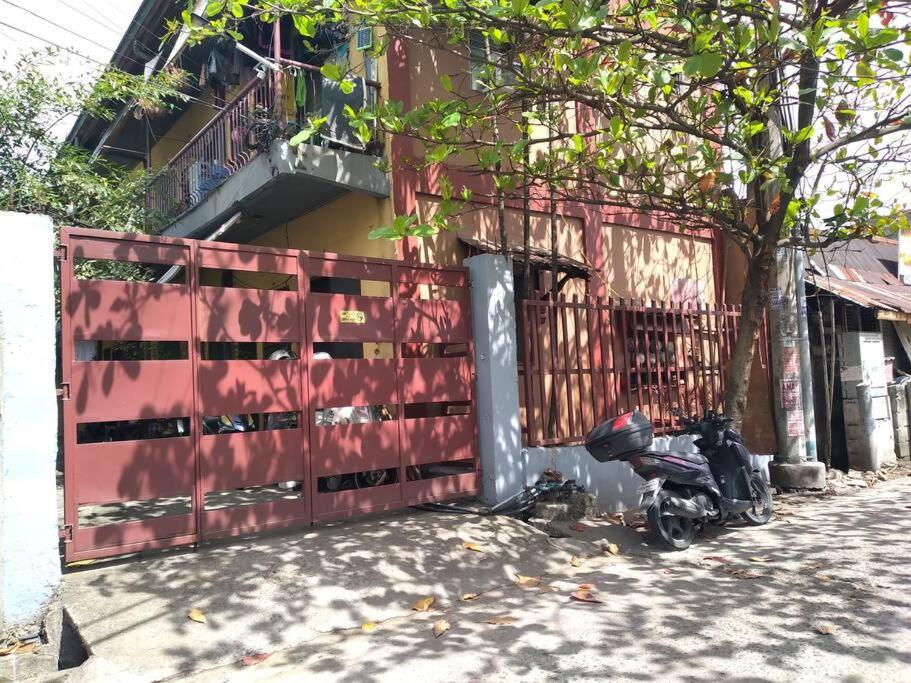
{"x":240,"y":161}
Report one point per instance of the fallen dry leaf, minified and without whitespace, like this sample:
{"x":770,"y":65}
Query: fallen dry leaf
{"x":18,"y":648}
{"x":255,"y":658}
{"x":823,"y":577}
{"x":586,"y":586}
{"x":368,"y":626}
{"x":197,"y":615}
{"x":715,"y":558}
{"x":760,"y":559}
{"x":547,"y":589}
{"x":575,"y":561}
{"x":826,"y":629}
{"x":440,"y":627}
{"x":578,"y":526}
{"x":528,"y":581}
{"x":743,"y":574}
{"x":468,"y":545}
{"x":467,"y":597}
{"x":81,"y":563}
{"x":611,"y":549}
{"x":501,"y":620}
{"x":422,"y":605}
{"x":584,"y":596}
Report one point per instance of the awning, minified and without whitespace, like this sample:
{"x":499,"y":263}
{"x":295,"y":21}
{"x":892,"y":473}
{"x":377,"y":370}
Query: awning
{"x":537,"y":256}
{"x":893,"y":301}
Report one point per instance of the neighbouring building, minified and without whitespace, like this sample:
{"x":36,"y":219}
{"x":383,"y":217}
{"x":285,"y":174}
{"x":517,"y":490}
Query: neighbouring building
{"x":647,"y":312}
{"x":859,"y":314}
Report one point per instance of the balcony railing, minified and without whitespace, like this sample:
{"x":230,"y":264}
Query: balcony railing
{"x":237,"y":134}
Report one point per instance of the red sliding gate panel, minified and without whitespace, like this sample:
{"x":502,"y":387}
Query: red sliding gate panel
{"x":250,"y":388}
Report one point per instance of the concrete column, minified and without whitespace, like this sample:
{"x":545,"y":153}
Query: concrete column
{"x":493,"y":316}
{"x":29,"y":562}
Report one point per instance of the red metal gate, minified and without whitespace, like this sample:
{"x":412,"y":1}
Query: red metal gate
{"x":247,"y":388}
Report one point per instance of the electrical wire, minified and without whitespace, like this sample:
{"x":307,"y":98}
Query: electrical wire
{"x":64,"y":28}
{"x":105,"y":23}
{"x":75,"y":53}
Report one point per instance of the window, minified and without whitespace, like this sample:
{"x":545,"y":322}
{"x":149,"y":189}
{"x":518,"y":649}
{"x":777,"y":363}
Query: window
{"x":485,"y":64}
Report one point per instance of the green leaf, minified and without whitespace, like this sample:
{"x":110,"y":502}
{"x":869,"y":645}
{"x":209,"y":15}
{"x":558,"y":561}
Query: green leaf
{"x":331,"y":71}
{"x":452,"y":120}
{"x":383,"y":233}
{"x":616,"y":126}
{"x":214,"y":8}
{"x":624,"y":50}
{"x":302,"y":137}
{"x":706,"y":64}
{"x":346,"y":86}
{"x":446,"y":82}
{"x":864,"y":71}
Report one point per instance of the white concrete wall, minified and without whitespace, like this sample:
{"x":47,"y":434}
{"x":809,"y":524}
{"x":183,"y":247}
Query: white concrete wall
{"x":614,"y":484}
{"x":29,"y":563}
{"x":493,"y":318}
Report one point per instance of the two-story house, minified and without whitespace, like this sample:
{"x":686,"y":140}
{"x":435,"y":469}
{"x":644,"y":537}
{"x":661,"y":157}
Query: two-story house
{"x":228,"y":173}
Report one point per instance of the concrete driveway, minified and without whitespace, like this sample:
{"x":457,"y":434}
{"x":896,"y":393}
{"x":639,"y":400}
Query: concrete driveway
{"x":744,"y":604}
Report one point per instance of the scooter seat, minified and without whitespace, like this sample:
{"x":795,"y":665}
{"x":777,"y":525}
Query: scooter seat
{"x":694,"y":458}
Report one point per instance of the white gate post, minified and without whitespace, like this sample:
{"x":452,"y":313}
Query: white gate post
{"x":29,"y":561}
{"x":493,"y":318}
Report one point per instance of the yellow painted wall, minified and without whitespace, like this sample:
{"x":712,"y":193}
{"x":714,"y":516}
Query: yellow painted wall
{"x":480,"y":222}
{"x":340,"y":226}
{"x":644,"y":263}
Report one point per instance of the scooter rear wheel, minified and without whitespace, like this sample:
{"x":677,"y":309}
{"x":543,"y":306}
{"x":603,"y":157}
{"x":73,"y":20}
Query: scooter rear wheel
{"x":761,"y":495}
{"x":672,"y":531}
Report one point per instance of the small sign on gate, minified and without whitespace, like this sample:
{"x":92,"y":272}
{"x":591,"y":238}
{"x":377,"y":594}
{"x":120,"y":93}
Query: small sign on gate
{"x":353,"y":317}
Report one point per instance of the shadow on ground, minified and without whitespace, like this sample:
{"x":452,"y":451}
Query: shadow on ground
{"x":741,"y":605}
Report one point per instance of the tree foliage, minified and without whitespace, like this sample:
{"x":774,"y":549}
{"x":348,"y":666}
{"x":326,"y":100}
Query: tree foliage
{"x":40,"y":173}
{"x":775,"y":122}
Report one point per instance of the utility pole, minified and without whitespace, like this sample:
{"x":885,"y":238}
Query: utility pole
{"x":795,"y":425}
{"x":806,"y":367}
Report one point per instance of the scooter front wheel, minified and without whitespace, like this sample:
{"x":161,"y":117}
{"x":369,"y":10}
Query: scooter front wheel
{"x":761,"y":495}
{"x":672,"y":531}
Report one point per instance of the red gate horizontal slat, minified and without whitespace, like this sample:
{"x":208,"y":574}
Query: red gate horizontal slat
{"x":129,"y":390}
{"x":352,"y":382}
{"x":438,"y":488}
{"x":436,"y":439}
{"x":134,"y":536}
{"x":428,"y":380}
{"x":129,"y":311}
{"x":341,"y":449}
{"x":119,"y":471}
{"x":257,"y":517}
{"x":248,"y":386}
{"x":247,"y":315}
{"x":435,"y":321}
{"x":325,"y":312}
{"x":230,"y":461}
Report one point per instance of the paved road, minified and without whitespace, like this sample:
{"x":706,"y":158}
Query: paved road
{"x":711,"y":613}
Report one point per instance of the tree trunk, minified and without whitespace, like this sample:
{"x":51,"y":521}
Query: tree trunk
{"x":753,"y":305}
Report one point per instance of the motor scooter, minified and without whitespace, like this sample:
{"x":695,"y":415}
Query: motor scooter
{"x":685,"y":491}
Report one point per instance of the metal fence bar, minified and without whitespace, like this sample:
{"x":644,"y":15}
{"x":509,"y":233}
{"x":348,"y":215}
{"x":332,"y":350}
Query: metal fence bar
{"x":672,"y":353}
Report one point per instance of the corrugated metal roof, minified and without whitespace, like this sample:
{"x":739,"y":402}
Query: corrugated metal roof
{"x":862,"y":272}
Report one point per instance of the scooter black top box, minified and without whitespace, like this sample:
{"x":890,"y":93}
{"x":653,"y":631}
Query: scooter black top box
{"x":620,"y":437}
